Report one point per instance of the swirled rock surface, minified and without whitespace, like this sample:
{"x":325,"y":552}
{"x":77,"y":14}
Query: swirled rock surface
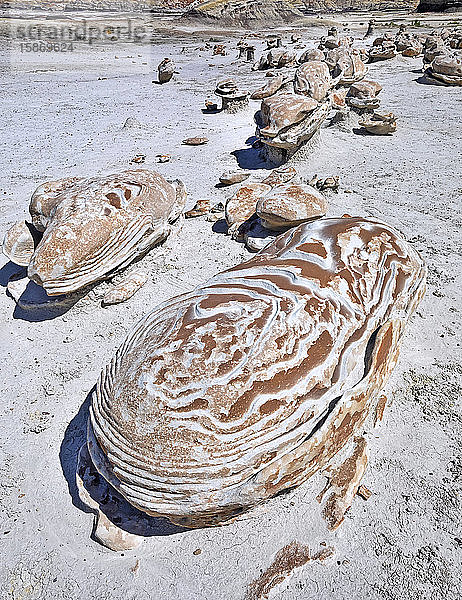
{"x":224,"y":396}
{"x":93,"y":227}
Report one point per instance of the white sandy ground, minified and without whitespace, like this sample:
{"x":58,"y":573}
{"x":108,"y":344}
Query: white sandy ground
{"x":58,"y":119}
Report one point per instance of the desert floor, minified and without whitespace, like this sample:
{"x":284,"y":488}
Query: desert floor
{"x":63,"y":114}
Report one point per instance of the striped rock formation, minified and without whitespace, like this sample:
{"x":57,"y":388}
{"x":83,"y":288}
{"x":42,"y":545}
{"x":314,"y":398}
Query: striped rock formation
{"x":224,"y":396}
{"x":346,"y":64}
{"x":95,"y":227}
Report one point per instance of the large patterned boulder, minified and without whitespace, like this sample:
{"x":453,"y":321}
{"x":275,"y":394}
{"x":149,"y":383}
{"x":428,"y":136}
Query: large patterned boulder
{"x":224,"y":396}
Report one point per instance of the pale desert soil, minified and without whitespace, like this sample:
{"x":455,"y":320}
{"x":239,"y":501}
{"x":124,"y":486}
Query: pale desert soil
{"x":63,"y":115}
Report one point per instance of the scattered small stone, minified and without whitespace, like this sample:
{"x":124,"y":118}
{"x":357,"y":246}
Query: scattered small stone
{"x":195,"y":141}
{"x":197,"y":552}
{"x":132,"y":123}
{"x":163,"y":158}
{"x":128,"y":286}
{"x":218,"y":208}
{"x":230,"y":178}
{"x":364,"y":492}
{"x":37,"y":422}
{"x":136,"y":567}
{"x":166,"y":69}
{"x":210,"y":105}
{"x":138,"y":159}
{"x":379,"y":409}
{"x":201,"y":207}
{"x":329,"y":183}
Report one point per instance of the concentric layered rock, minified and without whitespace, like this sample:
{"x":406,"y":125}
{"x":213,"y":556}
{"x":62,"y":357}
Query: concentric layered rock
{"x":280,"y":176}
{"x":233,"y":99}
{"x":224,"y":396}
{"x":93,"y":227}
{"x":362,"y":95}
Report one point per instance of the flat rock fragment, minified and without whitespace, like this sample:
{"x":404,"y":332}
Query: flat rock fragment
{"x":344,"y":483}
{"x":126,"y":288}
{"x":292,"y":556}
{"x":201,"y":207}
{"x":233,"y":177}
{"x":195,"y":141}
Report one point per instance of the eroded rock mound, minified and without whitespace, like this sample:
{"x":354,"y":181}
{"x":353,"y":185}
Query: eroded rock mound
{"x":287,"y":121}
{"x":246,"y":12}
{"x":289,"y":205}
{"x":222,"y":397}
{"x":446,"y":69}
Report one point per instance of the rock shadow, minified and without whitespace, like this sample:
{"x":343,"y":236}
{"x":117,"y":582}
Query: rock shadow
{"x":112,"y":504}
{"x":424,"y":80}
{"x":252,"y":159}
{"x":10,"y":269}
{"x":220,"y":226}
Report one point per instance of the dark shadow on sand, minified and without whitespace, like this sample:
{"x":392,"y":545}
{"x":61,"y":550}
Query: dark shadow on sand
{"x":110,"y":502}
{"x":220,"y":226}
{"x":10,"y":269}
{"x":424,"y":80}
{"x":251,"y":159}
